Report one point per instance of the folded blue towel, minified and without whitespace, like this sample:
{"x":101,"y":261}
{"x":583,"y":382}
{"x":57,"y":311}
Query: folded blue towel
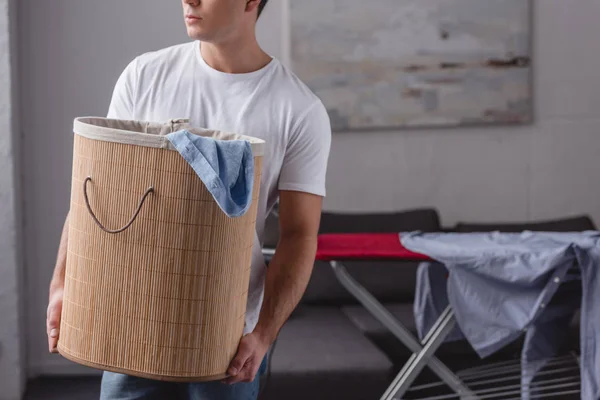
{"x":225,"y":166}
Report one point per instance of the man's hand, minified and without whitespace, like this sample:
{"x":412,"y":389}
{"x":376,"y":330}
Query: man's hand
{"x":250,"y":355}
{"x":55,"y":298}
{"x":53,"y":318}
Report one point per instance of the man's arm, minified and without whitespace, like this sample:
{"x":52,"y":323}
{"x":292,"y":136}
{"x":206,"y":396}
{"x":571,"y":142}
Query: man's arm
{"x":287,"y":277}
{"x":290,"y":269}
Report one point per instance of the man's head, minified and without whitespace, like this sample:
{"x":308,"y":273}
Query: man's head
{"x":219,"y":20}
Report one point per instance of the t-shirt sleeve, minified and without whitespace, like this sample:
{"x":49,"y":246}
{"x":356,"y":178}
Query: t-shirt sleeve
{"x":305,"y":162}
{"x":123,"y":98}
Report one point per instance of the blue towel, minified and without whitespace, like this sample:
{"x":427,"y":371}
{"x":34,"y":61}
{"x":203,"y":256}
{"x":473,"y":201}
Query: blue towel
{"x":225,"y":166}
{"x":501,"y":284}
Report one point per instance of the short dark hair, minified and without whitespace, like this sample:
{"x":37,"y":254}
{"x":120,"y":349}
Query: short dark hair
{"x":261,"y":6}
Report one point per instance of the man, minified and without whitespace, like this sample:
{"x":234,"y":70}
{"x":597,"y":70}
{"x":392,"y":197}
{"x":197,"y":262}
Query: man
{"x":224,"y":80}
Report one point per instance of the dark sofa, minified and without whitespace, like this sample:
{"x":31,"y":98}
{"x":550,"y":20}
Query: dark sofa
{"x":331,"y":348}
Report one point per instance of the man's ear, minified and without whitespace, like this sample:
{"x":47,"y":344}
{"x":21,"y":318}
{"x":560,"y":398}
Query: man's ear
{"x":252,"y":5}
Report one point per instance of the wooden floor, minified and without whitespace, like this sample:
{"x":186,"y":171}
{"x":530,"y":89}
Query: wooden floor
{"x":64,"y":388}
{"x":88,"y":388}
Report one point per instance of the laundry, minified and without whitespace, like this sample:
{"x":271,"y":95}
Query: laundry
{"x":225,"y":166}
{"x":502,"y":284}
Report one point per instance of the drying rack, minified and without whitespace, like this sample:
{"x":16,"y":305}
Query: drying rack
{"x":499,"y":381}
{"x":502,"y":380}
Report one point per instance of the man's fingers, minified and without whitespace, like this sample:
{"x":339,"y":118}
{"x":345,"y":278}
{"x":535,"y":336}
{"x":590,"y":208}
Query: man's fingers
{"x":246,"y":363}
{"x":242,"y":376}
{"x":240,"y":360}
{"x":53,"y":331}
{"x":238,"y":369}
{"x":52,"y":342}
{"x":53,"y":314}
{"x":237,"y":364}
{"x":53,"y":321}
{"x":52,"y":328}
{"x":246,"y":374}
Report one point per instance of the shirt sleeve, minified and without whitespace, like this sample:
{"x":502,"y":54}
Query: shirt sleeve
{"x":305,"y":162}
{"x":122,"y":104}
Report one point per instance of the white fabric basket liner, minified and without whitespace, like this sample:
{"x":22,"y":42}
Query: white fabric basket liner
{"x":151,"y":134}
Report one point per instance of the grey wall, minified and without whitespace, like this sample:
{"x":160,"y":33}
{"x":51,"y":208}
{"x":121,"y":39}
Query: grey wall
{"x":73,"y":51}
{"x":542,"y":171}
{"x":12,"y":362}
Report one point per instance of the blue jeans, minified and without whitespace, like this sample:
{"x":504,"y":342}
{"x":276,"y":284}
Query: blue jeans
{"x":125,"y":387}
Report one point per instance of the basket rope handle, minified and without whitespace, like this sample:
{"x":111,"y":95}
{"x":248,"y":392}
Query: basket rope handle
{"x":139,"y":208}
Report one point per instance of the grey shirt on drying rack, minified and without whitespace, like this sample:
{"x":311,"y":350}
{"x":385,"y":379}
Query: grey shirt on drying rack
{"x":502,"y":284}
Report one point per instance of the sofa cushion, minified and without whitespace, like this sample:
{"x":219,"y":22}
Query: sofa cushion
{"x":574,"y":224}
{"x":426,"y":220}
{"x":321,"y":339}
{"x":388,"y":281}
{"x":375,"y":330}
{"x":320,"y":354}
{"x":368,"y":324}
{"x":398,"y":352}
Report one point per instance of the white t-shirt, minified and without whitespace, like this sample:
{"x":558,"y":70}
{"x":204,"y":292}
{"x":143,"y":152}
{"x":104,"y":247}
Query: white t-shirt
{"x":271,"y":104}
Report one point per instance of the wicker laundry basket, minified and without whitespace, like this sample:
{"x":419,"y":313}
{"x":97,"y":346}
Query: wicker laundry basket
{"x":157,"y":274}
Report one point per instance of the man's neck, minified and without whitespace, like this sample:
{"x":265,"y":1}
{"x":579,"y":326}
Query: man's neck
{"x":235,"y":58}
